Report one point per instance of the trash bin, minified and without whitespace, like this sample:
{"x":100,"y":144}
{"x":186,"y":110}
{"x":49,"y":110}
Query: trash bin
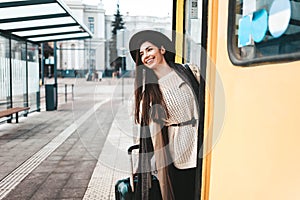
{"x":50,"y":97}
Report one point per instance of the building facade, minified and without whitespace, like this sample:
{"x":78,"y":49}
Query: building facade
{"x":78,"y":57}
{"x":89,"y":55}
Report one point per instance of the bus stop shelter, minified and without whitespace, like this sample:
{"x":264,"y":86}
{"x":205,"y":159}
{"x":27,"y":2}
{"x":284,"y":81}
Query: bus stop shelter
{"x":24,"y":25}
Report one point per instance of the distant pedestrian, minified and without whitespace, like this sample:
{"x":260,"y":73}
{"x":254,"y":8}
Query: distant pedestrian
{"x":96,"y":77}
{"x":100,"y":75}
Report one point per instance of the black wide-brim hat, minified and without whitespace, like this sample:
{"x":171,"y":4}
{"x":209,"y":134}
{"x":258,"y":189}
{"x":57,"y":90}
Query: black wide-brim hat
{"x":154,"y":37}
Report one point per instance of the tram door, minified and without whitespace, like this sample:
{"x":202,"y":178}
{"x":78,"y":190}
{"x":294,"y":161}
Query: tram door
{"x":249,"y":51}
{"x":254,"y":47}
{"x":191,"y":47}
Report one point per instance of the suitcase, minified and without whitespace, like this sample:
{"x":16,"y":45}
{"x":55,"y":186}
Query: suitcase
{"x":124,"y":188}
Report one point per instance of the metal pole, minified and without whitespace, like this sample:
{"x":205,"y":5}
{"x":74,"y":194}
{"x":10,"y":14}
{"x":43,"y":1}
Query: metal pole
{"x":123,"y":38}
{"x":122,"y":89}
{"x":55,"y":75}
{"x":42,"y":63}
{"x":26,"y":103}
{"x":10,"y":105}
{"x":90,"y":58}
{"x":38,"y":93}
{"x":66,"y":92}
{"x":72,"y":91}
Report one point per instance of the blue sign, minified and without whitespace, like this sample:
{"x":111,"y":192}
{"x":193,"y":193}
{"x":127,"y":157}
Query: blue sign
{"x":259,"y":25}
{"x":253,"y":26}
{"x":279,"y":17}
{"x":244,"y":32}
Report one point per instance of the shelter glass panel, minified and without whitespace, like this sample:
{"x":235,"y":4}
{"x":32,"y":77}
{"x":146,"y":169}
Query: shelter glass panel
{"x":33,"y":76}
{"x":4,"y":73}
{"x":18,"y":62}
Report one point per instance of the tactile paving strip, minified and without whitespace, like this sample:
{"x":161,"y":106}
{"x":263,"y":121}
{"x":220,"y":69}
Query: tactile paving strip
{"x":113,"y":162}
{"x":102,"y":183}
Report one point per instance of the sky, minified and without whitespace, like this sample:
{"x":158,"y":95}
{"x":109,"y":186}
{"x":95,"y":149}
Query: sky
{"x":158,"y":8}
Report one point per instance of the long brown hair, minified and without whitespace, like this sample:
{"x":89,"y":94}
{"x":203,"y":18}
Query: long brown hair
{"x":149,"y":101}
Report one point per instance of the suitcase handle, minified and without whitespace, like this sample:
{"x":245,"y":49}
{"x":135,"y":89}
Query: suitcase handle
{"x":130,"y":149}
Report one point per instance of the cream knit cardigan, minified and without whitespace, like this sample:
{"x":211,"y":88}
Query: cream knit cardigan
{"x":182,"y":107}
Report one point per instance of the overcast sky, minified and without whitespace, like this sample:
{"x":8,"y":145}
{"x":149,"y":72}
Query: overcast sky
{"x":137,"y":7}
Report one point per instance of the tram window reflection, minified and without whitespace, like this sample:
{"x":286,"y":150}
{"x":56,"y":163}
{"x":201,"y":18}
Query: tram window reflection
{"x":193,"y":24}
{"x":264,"y":29}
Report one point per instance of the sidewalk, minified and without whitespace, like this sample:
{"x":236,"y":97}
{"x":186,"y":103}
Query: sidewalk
{"x":78,"y":151}
{"x":113,"y":163}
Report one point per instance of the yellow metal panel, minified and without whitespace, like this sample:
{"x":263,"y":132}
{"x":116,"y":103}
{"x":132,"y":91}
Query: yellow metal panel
{"x":257,"y":154}
{"x":210,"y":95}
{"x":179,"y":30}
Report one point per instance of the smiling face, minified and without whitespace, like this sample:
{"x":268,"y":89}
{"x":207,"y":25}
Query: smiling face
{"x":151,"y":56}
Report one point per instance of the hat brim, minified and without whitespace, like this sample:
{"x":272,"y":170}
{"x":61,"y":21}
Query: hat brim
{"x":155,"y":37}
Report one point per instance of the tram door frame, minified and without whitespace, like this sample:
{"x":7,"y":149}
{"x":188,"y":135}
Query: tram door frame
{"x":182,"y":11}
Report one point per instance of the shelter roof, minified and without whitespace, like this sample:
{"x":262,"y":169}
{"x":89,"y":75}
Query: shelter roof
{"x":41,"y":21}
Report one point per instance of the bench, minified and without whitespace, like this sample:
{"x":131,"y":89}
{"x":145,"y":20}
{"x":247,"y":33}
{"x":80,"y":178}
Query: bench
{"x":11,"y":111}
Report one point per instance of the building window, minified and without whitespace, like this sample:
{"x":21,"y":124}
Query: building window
{"x":91,"y":24}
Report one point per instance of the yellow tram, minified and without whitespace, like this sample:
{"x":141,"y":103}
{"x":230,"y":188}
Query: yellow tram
{"x":250,"y":51}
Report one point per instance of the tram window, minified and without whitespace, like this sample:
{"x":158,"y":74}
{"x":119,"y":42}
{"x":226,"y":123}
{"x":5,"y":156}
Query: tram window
{"x":263,"y":31}
{"x":193,"y":14}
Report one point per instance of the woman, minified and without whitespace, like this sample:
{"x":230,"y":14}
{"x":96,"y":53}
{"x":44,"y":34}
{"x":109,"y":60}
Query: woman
{"x":166,"y":99}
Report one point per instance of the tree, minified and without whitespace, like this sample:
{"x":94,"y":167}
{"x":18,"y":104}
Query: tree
{"x":117,"y":24}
